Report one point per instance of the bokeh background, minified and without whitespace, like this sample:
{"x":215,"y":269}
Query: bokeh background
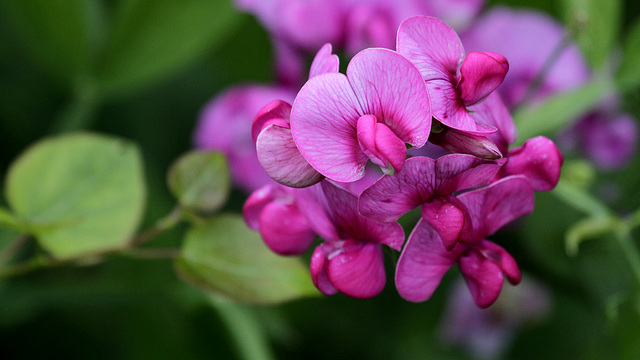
{"x":143,"y":70}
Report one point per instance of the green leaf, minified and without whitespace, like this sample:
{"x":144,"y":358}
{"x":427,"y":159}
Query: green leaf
{"x":78,"y":194}
{"x":558,"y":111}
{"x":155,"y":39}
{"x":596,"y":24}
{"x":200,"y":181}
{"x":628,"y":75}
{"x":225,"y":257}
{"x":7,"y":220}
{"x":58,"y":34}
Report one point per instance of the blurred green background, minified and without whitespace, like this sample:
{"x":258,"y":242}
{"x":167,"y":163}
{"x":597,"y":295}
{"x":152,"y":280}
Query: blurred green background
{"x":142,"y":70}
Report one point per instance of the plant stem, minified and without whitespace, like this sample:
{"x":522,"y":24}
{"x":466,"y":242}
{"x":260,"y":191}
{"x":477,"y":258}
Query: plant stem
{"x":160,"y":226}
{"x":630,"y":251}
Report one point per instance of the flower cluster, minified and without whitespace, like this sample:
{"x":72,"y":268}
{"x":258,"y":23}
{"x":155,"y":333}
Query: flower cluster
{"x":428,"y":94}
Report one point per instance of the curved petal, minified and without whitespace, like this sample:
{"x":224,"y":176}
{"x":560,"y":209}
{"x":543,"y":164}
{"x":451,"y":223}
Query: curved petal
{"x":380,"y":144}
{"x":358,"y":270}
{"x":446,"y":218}
{"x":323,"y":123}
{"x":423,"y":263}
{"x":456,"y":141}
{"x":458,"y":172}
{"x":480,"y":74}
{"x":276,"y":112}
{"x":503,"y":259}
{"x":343,"y":207}
{"x":493,"y":112}
{"x":539,"y":160}
{"x":392,"y":196}
{"x":483,"y":277}
{"x":284,"y":230}
{"x":390,"y":87}
{"x":255,"y":203}
{"x":281,"y":159}
{"x":492,"y":207}
{"x":318,"y":269}
{"x":324,"y":62}
{"x":431,"y":45}
{"x":448,"y":108}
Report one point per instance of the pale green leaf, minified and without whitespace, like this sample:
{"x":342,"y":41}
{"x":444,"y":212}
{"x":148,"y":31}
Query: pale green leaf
{"x":200,"y":181}
{"x":225,"y":257}
{"x":78,"y":194}
{"x":155,"y":39}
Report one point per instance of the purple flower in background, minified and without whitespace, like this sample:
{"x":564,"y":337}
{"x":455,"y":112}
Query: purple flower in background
{"x":607,"y":136}
{"x":225,"y":125}
{"x":484,"y":264}
{"x":487,"y":333}
{"x":455,"y":81}
{"x":350,"y":260}
{"x":339,"y":122}
{"x":533,"y":38}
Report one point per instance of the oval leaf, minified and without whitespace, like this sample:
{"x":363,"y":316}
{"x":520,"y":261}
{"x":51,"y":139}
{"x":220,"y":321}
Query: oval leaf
{"x":153,"y":39}
{"x":227,"y":258}
{"x":78,"y":194}
{"x":200,"y":181}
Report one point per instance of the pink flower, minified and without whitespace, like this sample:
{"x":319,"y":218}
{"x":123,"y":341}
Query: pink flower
{"x":484,"y":264}
{"x":225,"y":125}
{"x":271,"y":130}
{"x":429,"y":183}
{"x":339,"y":122}
{"x":350,"y":260}
{"x":454,"y":81}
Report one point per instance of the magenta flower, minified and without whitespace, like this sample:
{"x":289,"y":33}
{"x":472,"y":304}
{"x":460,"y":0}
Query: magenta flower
{"x":351,"y":259}
{"x":273,"y":211}
{"x":429,"y":183}
{"x":533,"y":37}
{"x":484,"y":264}
{"x":339,"y":122}
{"x":454,"y":81}
{"x":271,"y":131}
{"x":225,"y":125}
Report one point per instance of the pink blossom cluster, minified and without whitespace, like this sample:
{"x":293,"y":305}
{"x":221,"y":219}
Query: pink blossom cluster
{"x":427,"y":94}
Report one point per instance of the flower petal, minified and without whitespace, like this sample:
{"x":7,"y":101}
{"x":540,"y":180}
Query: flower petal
{"x":492,"y":207}
{"x":284,"y":230}
{"x":358,"y":270}
{"x":342,"y":205}
{"x":390,"y":87}
{"x":483,"y":277}
{"x":503,"y":259}
{"x":323,"y":123}
{"x":380,"y":144}
{"x":324,"y":62}
{"x":281,"y":159}
{"x":423,"y":263}
{"x":480,"y":74}
{"x":392,"y":196}
{"x":458,"y":172}
{"x":446,"y":218}
{"x":539,"y":160}
{"x":431,"y":45}
{"x":318,"y":268}
{"x":276,"y":112}
{"x":256,"y":202}
{"x":456,"y":141}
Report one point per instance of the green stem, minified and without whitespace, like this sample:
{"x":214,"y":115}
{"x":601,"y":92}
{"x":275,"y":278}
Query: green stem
{"x":248,"y":335}
{"x":630,"y":251}
{"x":162,"y":225}
{"x":580,"y":200}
